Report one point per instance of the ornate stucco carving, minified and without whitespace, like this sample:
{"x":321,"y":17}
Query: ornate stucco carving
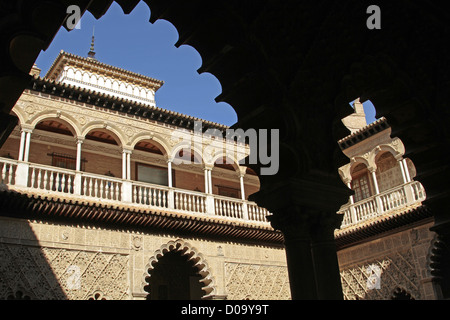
{"x":378,"y":279}
{"x":256,"y":282}
{"x":73,"y":274}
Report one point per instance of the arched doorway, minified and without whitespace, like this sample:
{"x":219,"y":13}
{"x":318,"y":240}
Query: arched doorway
{"x":401,"y":294}
{"x":174,"y":277}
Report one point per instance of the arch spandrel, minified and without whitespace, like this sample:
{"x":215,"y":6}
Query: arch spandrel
{"x":69,"y":120}
{"x":345,"y":173}
{"x":198,"y":154}
{"x":20,"y":115}
{"x":361,"y":159}
{"x":101,"y":125}
{"x":395,"y":147}
{"x":160,"y":142}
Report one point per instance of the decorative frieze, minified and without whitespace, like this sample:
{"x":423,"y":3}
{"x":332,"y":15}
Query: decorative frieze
{"x":57,"y":273}
{"x":256,"y":282}
{"x":379,"y":279}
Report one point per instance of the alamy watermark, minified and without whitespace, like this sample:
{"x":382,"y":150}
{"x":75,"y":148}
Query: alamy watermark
{"x":374,"y":20}
{"x":73,"y":20}
{"x":374,"y":277}
{"x":73,"y":281}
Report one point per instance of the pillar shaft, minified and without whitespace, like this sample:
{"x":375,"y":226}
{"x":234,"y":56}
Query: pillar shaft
{"x":210,"y":182}
{"x":124,"y":165}
{"x":405,"y":167}
{"x":78,"y":163}
{"x":169,"y":173}
{"x":326,"y":265}
{"x":241,"y":180}
{"x":300,"y":268}
{"x":375,"y":182}
{"x":27,"y":146}
{"x":22,"y":145}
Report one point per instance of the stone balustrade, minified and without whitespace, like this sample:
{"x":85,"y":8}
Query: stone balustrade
{"x":20,"y":176}
{"x":385,"y":202}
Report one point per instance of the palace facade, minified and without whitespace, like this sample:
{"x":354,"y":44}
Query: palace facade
{"x":107,"y":196}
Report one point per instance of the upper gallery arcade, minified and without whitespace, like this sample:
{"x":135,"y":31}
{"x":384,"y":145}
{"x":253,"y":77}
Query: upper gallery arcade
{"x":92,"y":130}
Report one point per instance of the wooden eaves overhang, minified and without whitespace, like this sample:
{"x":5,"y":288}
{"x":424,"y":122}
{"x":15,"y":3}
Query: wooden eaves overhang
{"x":68,"y":210}
{"x":75,"y":93}
{"x":363,"y":133}
{"x":93,"y":65}
{"x":381,"y":226}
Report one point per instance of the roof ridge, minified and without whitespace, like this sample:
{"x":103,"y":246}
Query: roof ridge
{"x":102,"y":64}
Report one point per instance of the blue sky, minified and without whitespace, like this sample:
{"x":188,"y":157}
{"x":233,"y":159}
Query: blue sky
{"x":131,"y":42}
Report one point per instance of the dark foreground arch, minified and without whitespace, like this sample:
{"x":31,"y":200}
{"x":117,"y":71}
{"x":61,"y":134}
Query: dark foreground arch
{"x":295,"y":65}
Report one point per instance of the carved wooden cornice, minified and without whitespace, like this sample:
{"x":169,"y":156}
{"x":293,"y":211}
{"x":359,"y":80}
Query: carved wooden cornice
{"x":81,"y":95}
{"x":67,"y":210}
{"x":382,"y":225}
{"x":100,"y":67}
{"x":364,"y":133}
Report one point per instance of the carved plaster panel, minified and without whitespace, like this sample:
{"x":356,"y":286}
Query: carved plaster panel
{"x":56,"y":273}
{"x":256,"y":282}
{"x":378,"y":279}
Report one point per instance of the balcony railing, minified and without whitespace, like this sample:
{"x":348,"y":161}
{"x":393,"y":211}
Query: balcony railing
{"x":383,"y":203}
{"x":23,"y":175}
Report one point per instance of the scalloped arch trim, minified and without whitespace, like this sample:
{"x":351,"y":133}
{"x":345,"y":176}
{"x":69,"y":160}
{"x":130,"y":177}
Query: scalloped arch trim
{"x":179,"y":245}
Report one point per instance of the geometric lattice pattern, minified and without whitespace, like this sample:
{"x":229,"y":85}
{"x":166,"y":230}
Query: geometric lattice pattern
{"x":55,"y":273}
{"x":379,"y":279}
{"x":256,"y":282}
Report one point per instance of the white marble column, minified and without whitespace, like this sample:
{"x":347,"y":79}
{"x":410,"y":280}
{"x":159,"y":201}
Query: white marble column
{"x":349,"y":185}
{"x":241,"y":180}
{"x":27,"y":144}
{"x":126,"y":164}
{"x":22,"y":170}
{"x":206,"y":180}
{"x":80,"y":141}
{"x":374,"y":178}
{"x":169,"y":173}
{"x":210,"y":206}
{"x":210,"y":181}
{"x":402,"y":169}
{"x":405,"y":167}
{"x":129,"y":165}
{"x":22,"y":144}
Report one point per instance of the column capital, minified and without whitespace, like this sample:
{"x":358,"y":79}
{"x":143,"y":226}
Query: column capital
{"x":372,"y":169}
{"x":79,"y":139}
{"x":347,"y":180}
{"x":242,"y":171}
{"x":26,"y":128}
{"x":127,"y":150}
{"x":207,"y":166}
{"x":304,"y":223}
{"x":168,"y":159}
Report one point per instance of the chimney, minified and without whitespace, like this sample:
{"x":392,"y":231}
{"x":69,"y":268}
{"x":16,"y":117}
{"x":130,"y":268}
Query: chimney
{"x":35,"y":71}
{"x":356,"y":120}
